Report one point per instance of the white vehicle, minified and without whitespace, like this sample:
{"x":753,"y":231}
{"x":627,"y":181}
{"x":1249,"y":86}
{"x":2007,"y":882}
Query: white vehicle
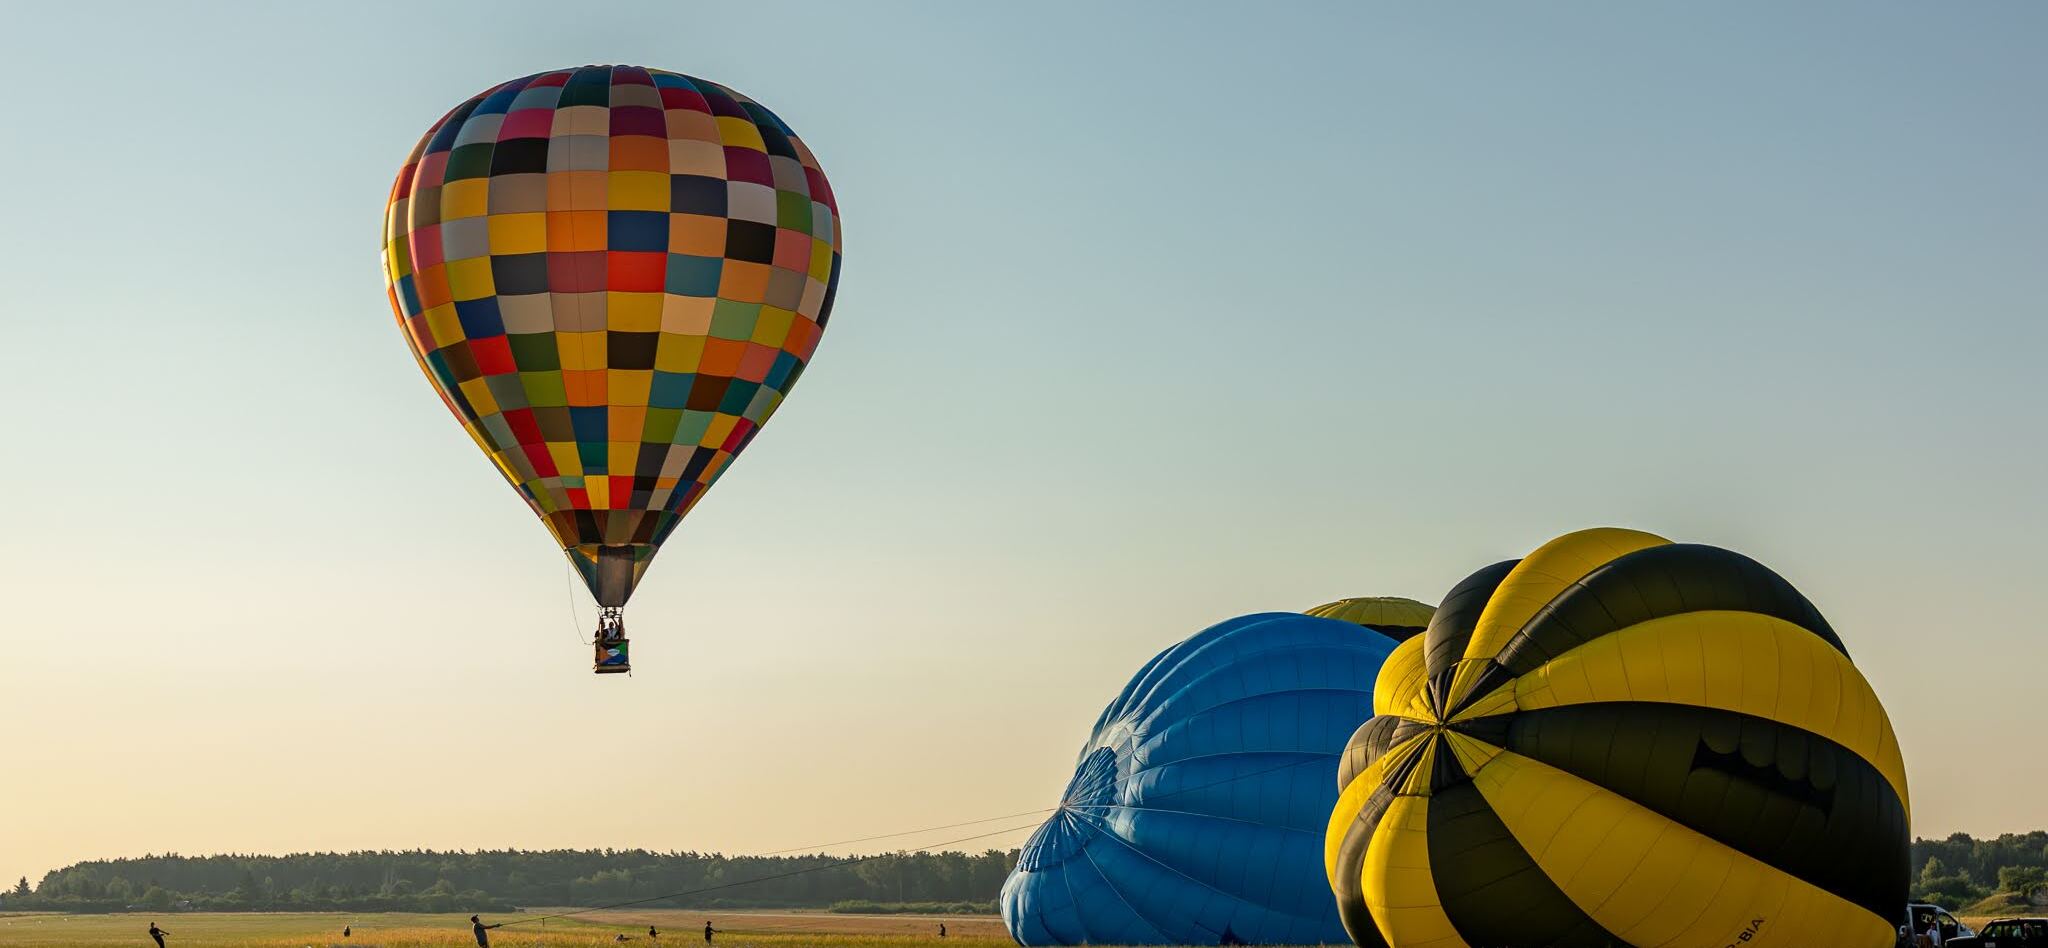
{"x":1918,"y":914}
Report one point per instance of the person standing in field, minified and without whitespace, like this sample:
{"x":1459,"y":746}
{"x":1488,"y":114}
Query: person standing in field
{"x":158,"y":934}
{"x":481,"y":931}
{"x":942,"y":929}
{"x":708,"y":931}
{"x":653,"y":935}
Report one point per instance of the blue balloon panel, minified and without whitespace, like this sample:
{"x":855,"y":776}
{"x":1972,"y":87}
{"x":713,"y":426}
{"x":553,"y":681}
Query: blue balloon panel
{"x":1198,"y":806}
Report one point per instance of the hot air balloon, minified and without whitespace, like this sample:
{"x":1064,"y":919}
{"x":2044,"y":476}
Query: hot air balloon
{"x":1196,"y":806}
{"x":1402,"y":619}
{"x":1620,"y":740}
{"x":612,"y":275}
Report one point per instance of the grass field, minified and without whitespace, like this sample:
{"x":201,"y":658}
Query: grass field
{"x":678,"y":927}
{"x":683,"y":929}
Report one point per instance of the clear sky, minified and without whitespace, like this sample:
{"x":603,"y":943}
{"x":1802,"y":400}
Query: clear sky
{"x":1152,"y":315}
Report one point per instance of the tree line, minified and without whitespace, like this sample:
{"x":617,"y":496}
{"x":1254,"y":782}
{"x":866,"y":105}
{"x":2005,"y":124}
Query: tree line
{"x":1960,"y":870}
{"x":502,"y":880}
{"x":1955,"y":872}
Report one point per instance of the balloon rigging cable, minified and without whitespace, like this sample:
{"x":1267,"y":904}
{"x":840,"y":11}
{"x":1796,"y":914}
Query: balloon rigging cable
{"x":575,"y":617}
{"x":856,"y":860}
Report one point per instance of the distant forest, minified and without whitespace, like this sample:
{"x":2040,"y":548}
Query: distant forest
{"x":499,"y":881}
{"x":1957,"y":871}
{"x":1960,"y":871}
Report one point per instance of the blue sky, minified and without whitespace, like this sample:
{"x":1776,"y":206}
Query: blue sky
{"x":1152,"y":315}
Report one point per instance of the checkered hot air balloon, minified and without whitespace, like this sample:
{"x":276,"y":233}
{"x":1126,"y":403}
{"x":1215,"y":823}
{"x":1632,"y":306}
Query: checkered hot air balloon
{"x":612,"y":275}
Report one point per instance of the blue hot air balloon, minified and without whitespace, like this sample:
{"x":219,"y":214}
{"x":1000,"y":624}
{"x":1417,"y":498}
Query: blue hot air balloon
{"x":1198,"y":806}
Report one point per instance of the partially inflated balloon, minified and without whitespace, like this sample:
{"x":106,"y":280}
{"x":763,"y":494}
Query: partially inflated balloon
{"x":1197,"y":805}
{"x":612,"y":275}
{"x":1622,"y":740}
{"x":1401,"y":618}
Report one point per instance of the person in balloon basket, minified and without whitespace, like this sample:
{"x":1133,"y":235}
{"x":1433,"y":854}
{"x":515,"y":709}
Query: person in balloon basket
{"x":482,"y":931}
{"x":157,"y":934}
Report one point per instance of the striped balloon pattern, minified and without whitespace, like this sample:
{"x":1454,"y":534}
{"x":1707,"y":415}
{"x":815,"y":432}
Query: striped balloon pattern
{"x":612,"y":275}
{"x":1620,"y":740}
{"x":1196,"y":808}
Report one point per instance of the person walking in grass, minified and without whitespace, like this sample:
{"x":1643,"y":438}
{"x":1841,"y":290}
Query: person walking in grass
{"x":158,"y":934}
{"x":482,"y":931}
{"x":708,"y":931}
{"x":653,"y":935}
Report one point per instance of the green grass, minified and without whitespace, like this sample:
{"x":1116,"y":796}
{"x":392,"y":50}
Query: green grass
{"x":680,"y":928}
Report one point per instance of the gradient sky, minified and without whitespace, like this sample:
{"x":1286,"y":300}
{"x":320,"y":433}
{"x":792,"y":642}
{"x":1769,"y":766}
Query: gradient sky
{"x":1153,"y":314}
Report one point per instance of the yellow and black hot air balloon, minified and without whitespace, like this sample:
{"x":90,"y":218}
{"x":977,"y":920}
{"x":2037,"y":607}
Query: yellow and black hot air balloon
{"x":1401,"y":619}
{"x":1620,"y":740}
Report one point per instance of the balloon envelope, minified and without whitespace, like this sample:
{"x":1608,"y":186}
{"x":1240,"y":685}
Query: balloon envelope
{"x":1622,"y":740}
{"x":612,"y":276}
{"x":1197,"y":805}
{"x":1400,"y":618}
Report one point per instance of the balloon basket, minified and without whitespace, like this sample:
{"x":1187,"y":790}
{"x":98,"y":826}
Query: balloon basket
{"x":610,"y":642}
{"x":611,"y":657}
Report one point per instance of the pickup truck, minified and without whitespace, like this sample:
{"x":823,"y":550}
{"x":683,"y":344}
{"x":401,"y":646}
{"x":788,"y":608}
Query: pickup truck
{"x":2006,"y":933}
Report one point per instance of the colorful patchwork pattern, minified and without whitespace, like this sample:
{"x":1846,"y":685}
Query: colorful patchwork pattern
{"x":613,"y":276}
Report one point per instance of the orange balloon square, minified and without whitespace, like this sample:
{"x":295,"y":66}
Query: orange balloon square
{"x":721,"y":357}
{"x":585,"y":387}
{"x":639,"y":153}
{"x":744,"y":282}
{"x":573,"y":231}
{"x":626,"y":420}
{"x":803,"y":338}
{"x":699,"y":235}
{"x":432,"y":286}
{"x":578,"y":190}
